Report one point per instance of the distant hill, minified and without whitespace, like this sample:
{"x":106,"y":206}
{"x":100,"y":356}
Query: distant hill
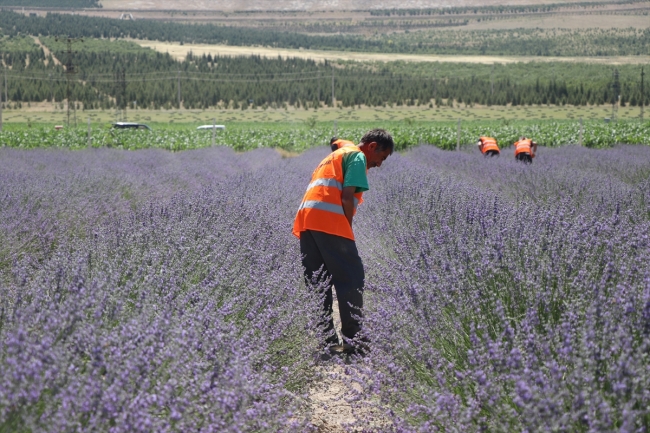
{"x":51,"y":3}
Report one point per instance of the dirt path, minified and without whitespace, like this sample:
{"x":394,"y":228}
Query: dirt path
{"x":179,"y":51}
{"x":46,"y":50}
{"x":337,"y":402}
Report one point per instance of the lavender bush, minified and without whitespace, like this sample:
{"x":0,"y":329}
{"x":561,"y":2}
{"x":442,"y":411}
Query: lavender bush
{"x":152,"y":311}
{"x":156,"y":291}
{"x":509,"y":297}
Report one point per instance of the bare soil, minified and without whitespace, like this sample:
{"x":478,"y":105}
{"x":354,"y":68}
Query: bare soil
{"x":337,"y":402}
{"x":46,"y":50}
{"x":306,"y":5}
{"x":48,"y":113}
{"x":180,"y":52}
{"x":354,"y":17}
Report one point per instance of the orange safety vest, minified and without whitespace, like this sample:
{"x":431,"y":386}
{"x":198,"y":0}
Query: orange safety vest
{"x":322,"y":208}
{"x":489,"y":143}
{"x":523,"y":146}
{"x":343,"y":143}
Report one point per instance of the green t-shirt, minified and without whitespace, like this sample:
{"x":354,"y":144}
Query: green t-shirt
{"x":354,"y":171}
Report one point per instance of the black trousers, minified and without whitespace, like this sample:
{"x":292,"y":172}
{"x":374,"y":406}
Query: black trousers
{"x":336,"y":257}
{"x":525,"y":158}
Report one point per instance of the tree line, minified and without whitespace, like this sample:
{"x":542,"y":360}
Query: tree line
{"x":527,"y":41}
{"x":497,"y":9}
{"x":108,"y":79}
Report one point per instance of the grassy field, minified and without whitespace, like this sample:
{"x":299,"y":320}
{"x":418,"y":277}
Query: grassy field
{"x":45,"y":114}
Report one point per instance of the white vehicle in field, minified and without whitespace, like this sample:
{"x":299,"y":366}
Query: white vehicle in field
{"x":219,"y":127}
{"x":130,"y":125}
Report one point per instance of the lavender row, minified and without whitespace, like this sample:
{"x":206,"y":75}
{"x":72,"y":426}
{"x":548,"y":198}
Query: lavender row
{"x":178,"y":307}
{"x":508,"y":297}
{"x":152,"y":291}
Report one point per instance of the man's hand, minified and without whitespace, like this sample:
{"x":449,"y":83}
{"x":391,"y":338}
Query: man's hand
{"x":347,"y":198}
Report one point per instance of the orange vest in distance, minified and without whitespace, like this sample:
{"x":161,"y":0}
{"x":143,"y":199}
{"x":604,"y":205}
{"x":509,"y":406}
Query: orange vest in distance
{"x":523,"y":146}
{"x":322,"y":206}
{"x":489,"y":143}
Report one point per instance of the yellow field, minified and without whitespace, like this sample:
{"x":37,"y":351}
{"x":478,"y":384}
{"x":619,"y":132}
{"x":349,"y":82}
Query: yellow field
{"x":180,"y":52}
{"x":44,"y":113}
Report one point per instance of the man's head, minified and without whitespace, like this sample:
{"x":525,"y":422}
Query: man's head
{"x":333,"y":144}
{"x":377,"y":145}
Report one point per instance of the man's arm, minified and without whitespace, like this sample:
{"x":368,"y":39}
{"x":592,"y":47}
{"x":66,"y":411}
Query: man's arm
{"x":347,"y":198}
{"x":534,"y":147}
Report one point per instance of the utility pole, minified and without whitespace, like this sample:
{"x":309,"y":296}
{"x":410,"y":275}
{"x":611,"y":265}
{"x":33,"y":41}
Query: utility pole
{"x":214,"y":130}
{"x":458,"y":140}
{"x":49,"y":77}
{"x":120,"y":95}
{"x":6,"y":97}
{"x":581,"y":131}
{"x":333,"y":99}
{"x":492,"y":80}
{"x":0,"y":111}
{"x":642,"y":95}
{"x":435,"y":87}
{"x":117,"y":97}
{"x":70,"y":70}
{"x":318,"y":97}
{"x":179,"y":89}
{"x":616,"y":87}
{"x":123,"y":83}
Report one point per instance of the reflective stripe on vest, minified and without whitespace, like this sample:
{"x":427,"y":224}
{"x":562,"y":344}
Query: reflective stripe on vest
{"x":522,"y":146}
{"x":489,"y":143}
{"x":321,"y":208}
{"x":334,"y":208}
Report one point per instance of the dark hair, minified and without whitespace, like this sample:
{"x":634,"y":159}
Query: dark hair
{"x":381,"y":137}
{"x":333,"y":146}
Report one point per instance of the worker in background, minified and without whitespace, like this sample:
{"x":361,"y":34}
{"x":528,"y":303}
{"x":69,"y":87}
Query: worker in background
{"x":488,"y":146}
{"x":525,"y":150}
{"x":337,"y":143}
{"x":323,"y":224}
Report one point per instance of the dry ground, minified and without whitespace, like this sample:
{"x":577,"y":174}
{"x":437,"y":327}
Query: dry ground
{"x":45,"y":113}
{"x":337,"y":401}
{"x":180,"y":52}
{"x":306,"y":5}
{"x":343,"y":16}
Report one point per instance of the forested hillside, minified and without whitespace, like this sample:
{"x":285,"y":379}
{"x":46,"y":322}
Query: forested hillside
{"x":530,"y":41}
{"x":120,"y":72}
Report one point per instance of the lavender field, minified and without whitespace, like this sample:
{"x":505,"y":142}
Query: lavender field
{"x":155,"y":291}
